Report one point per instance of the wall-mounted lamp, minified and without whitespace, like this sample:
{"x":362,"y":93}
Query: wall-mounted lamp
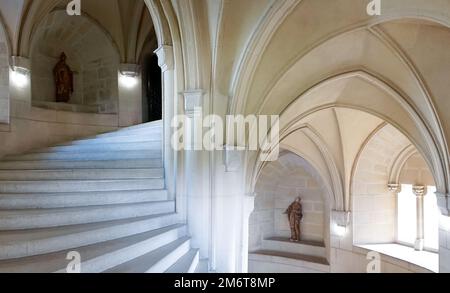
{"x":340,"y":230}
{"x":129,"y":74}
{"x":341,"y":220}
{"x":20,"y":73}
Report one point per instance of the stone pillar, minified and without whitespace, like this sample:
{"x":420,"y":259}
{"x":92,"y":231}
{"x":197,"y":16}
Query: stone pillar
{"x":166,"y":62}
{"x":444,"y":232}
{"x":196,"y":171}
{"x":420,"y":192}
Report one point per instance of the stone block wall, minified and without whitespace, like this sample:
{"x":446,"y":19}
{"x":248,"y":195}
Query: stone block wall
{"x":374,"y":206}
{"x":281,"y":182}
{"x":91,"y":54}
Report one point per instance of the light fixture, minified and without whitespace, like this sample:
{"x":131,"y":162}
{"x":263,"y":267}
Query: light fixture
{"x":128,"y":81}
{"x":19,"y":77}
{"x":20,"y":71}
{"x":129,"y":74}
{"x":340,"y":230}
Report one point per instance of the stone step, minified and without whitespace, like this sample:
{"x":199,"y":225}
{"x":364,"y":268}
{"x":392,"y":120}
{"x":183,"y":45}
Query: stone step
{"x":145,"y":131}
{"x":266,"y":261}
{"x":188,"y":263}
{"x":125,"y":146}
{"x":116,"y":139}
{"x":96,"y":156}
{"x":81,"y":174}
{"x":24,"y":243}
{"x":54,"y":186}
{"x":157,"y":261}
{"x":303,"y":247}
{"x":79,"y":199}
{"x":158,"y":123}
{"x":97,"y":257}
{"x":46,"y":218}
{"x":52,"y":165}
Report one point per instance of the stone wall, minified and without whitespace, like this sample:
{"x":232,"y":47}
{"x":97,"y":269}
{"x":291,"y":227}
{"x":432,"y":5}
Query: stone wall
{"x":4,"y":79}
{"x":279,"y":185}
{"x":374,"y":207}
{"x":91,"y":54}
{"x":416,"y":172}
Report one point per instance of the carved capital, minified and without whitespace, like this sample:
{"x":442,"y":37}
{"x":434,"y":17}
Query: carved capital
{"x":165,"y":57}
{"x":193,"y":101}
{"x":341,"y":218}
{"x":419,"y":190}
{"x":395,"y":187}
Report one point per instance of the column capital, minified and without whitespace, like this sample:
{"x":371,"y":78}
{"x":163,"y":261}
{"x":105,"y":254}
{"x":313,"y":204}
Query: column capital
{"x":395,"y":187}
{"x":341,"y":218}
{"x":193,"y":100}
{"x":165,"y":57}
{"x":419,"y":190}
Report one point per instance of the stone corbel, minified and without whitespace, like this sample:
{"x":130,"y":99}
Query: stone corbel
{"x":193,"y":102}
{"x":21,"y":64}
{"x":341,"y":218}
{"x":233,"y":159}
{"x":165,"y":57}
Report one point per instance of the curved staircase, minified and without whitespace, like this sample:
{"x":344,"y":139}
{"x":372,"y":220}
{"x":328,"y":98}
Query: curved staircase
{"x":102,"y":197}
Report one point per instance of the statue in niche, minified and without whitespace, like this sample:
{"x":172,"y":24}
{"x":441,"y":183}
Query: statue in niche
{"x":63,"y":80}
{"x":295,"y":216}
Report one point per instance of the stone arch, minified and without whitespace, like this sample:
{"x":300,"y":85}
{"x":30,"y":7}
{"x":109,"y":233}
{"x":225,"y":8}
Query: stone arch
{"x":405,"y":118}
{"x":329,"y":173}
{"x":279,"y":184}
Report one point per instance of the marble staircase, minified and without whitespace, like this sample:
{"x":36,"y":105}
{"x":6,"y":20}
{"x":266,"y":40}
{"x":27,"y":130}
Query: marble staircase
{"x":103,"y":197}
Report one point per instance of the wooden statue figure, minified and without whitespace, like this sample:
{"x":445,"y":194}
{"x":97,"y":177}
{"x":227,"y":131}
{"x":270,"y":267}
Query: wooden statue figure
{"x":63,"y":80}
{"x":295,"y":215}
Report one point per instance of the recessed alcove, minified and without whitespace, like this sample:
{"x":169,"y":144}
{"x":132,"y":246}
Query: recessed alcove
{"x":279,"y":184}
{"x":91,"y":55}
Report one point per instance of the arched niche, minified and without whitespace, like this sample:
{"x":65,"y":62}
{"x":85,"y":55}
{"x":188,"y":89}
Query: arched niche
{"x":279,"y":184}
{"x":91,"y":54}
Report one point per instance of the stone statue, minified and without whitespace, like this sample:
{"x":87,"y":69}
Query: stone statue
{"x":295,"y":215}
{"x":63,"y":80}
